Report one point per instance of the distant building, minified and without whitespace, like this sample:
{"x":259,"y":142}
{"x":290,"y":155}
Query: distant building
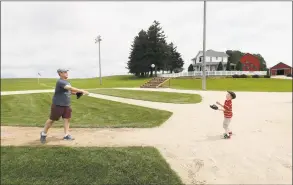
{"x":281,"y":69}
{"x":212,"y":60}
{"x":250,"y":63}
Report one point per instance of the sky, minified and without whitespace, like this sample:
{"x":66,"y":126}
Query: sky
{"x":43,"y":36}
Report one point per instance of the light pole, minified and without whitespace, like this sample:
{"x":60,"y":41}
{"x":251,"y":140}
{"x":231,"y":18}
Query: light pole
{"x":153,"y":67}
{"x":204,"y":49}
{"x":98,"y":40}
{"x":39,"y":74}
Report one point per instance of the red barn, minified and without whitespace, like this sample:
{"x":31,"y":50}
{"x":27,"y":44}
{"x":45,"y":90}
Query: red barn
{"x":250,"y":63}
{"x":281,"y":69}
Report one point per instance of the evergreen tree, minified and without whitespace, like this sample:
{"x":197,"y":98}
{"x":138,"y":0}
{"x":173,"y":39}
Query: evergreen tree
{"x":190,"y":68}
{"x":220,"y":67}
{"x":175,"y":59}
{"x":239,"y":66}
{"x":138,"y":63}
{"x":151,"y":48}
{"x":157,"y":46}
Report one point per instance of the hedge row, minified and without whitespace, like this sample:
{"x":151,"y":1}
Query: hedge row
{"x":253,"y":76}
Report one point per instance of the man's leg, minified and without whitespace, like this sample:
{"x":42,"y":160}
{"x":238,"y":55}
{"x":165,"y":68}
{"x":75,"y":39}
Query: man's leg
{"x":48,"y":125}
{"x":54,"y":116}
{"x":66,"y":126}
{"x":66,"y":117}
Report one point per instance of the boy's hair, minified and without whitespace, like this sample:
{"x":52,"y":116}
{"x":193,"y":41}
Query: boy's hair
{"x":232,"y":94}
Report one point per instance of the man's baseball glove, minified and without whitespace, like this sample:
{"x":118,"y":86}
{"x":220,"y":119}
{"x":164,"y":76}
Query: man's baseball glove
{"x":215,"y":107}
{"x":78,"y":95}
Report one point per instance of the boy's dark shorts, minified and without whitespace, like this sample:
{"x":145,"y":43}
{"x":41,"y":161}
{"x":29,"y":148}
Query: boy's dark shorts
{"x":60,"y":111}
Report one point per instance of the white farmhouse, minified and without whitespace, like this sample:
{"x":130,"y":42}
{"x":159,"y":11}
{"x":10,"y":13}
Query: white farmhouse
{"x":213,"y":58}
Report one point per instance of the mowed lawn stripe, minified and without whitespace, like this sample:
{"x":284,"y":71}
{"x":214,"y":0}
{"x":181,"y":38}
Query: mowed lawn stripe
{"x":96,"y":166}
{"x":19,"y":84}
{"x":166,"y":97}
{"x":234,"y":84}
{"x":34,"y":109}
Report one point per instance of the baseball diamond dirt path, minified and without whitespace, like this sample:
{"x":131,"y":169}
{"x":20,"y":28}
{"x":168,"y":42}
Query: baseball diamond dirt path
{"x":260,"y":151}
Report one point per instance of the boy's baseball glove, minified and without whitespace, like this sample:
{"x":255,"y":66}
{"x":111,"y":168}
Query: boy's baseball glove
{"x":78,"y":95}
{"x":215,"y":107}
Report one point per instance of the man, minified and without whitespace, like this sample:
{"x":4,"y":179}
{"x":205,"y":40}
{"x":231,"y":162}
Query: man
{"x":61,"y":105}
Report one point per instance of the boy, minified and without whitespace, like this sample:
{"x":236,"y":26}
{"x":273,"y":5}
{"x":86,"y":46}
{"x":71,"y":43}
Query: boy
{"x":227,"y":109}
{"x":61,"y":105}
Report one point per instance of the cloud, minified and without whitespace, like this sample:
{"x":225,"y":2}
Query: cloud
{"x":42,"y":36}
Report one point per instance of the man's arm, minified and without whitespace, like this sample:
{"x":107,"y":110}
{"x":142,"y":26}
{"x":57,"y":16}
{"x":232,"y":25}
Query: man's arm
{"x":75,"y":90}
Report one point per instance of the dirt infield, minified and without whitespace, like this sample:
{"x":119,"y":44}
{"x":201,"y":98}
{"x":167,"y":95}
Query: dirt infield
{"x":259,"y":152}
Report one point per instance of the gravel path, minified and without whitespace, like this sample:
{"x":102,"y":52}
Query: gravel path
{"x":260,"y":151}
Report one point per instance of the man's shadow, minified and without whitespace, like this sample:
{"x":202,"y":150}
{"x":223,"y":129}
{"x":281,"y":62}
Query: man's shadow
{"x":48,"y":140}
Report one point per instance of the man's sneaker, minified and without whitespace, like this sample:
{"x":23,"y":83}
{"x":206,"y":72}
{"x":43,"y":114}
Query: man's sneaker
{"x":68,"y":137}
{"x":43,"y":138}
{"x":226,"y":136}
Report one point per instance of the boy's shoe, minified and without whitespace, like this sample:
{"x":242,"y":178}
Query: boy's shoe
{"x":43,"y":138}
{"x":226,"y":136}
{"x":68,"y":138}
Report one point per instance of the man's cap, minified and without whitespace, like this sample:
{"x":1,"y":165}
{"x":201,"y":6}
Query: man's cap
{"x":233,"y":95}
{"x":62,"y":70}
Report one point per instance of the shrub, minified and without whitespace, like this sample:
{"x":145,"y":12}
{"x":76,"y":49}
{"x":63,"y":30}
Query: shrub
{"x":255,"y":76}
{"x":243,"y":76}
{"x":235,"y":76}
{"x":267,"y":76}
{"x":289,"y":75}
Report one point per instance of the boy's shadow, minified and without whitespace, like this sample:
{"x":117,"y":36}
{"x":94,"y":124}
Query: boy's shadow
{"x":213,"y":138}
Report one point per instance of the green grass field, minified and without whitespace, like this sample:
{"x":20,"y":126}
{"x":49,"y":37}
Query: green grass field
{"x":34,"y":109}
{"x":235,"y":84}
{"x":90,"y":83}
{"x":166,"y":97}
{"x":66,"y":165}
{"x":220,"y":84}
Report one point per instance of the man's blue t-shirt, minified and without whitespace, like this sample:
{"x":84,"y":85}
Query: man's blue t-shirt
{"x":61,"y":96}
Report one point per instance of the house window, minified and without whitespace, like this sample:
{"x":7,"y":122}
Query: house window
{"x":200,"y":59}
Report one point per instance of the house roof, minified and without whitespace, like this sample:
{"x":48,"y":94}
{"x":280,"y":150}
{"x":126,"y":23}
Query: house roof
{"x":212,"y":53}
{"x":281,"y":63}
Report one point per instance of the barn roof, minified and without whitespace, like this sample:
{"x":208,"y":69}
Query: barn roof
{"x":282,"y":64}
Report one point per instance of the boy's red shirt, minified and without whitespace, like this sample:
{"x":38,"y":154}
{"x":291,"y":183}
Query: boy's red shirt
{"x":228,"y":109}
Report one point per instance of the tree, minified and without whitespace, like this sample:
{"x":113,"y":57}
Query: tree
{"x":239,"y":66}
{"x":190,"y":68}
{"x":157,"y":46}
{"x":151,"y":48}
{"x":234,"y":56}
{"x":138,"y":63}
{"x":220,"y":67}
{"x":228,"y":66}
{"x":175,"y":60}
{"x":268,"y":72}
